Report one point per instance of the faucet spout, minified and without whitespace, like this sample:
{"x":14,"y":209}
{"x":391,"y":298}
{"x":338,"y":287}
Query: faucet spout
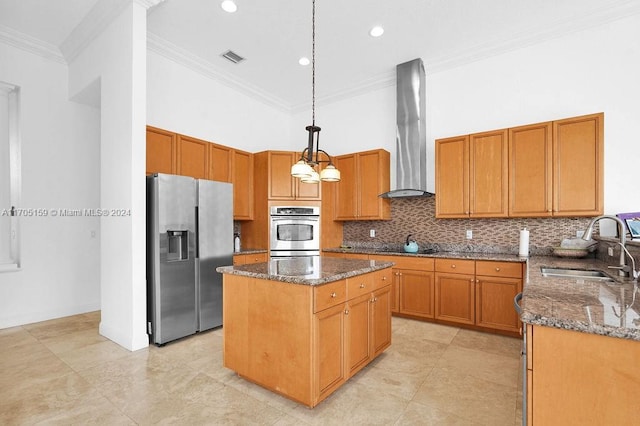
{"x":623,"y":270}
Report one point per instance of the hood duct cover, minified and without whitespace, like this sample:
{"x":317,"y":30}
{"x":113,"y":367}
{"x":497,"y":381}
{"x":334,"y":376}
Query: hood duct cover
{"x":411,"y":139}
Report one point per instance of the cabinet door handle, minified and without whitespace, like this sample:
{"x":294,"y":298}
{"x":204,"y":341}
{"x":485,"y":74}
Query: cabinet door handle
{"x":497,"y":269}
{"x":477,"y":281}
{"x":346,"y":312}
{"x":362,"y":285}
{"x":375,"y":299}
{"x":333,"y":294}
{"x":471,"y":280}
{"x":453,"y":266}
{"x":384,"y":278}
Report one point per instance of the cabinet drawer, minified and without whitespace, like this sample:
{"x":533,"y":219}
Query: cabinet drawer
{"x":382,"y":278}
{"x":457,"y":266}
{"x":359,"y":285}
{"x":328,"y":295}
{"x":407,"y":262}
{"x":499,"y":269}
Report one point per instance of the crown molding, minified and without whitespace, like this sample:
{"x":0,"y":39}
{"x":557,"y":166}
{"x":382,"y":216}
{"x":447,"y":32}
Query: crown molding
{"x":98,"y":18}
{"x":183,"y":57}
{"x":30,"y":44}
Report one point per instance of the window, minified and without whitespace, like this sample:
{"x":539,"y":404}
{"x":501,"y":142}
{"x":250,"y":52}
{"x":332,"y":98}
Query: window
{"x":9,"y":176}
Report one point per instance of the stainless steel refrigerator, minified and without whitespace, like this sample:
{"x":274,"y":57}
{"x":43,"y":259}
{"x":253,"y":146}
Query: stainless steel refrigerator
{"x":189,"y":234}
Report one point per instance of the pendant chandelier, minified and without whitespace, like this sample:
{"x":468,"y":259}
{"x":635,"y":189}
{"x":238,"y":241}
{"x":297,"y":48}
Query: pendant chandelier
{"x":310,"y":158}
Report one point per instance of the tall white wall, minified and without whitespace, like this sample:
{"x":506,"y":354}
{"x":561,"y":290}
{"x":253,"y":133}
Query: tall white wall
{"x":117,"y":57}
{"x":182,"y":100}
{"x":60,"y":272}
{"x":586,"y":72}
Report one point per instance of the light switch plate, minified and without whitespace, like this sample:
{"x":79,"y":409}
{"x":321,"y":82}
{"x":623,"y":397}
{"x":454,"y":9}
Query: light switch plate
{"x":469,"y":234}
{"x":372,"y":233}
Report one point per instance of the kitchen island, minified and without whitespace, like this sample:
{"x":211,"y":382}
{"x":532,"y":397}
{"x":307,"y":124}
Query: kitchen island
{"x":583,"y":346}
{"x":302,"y":327}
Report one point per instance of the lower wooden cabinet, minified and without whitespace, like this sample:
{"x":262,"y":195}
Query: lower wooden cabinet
{"x":455,"y":290}
{"x":329,"y":343}
{"x":578,"y":378}
{"x":302,"y":341}
{"x":415,"y":292}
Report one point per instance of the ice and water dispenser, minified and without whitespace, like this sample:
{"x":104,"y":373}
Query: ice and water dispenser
{"x":178,"y":245}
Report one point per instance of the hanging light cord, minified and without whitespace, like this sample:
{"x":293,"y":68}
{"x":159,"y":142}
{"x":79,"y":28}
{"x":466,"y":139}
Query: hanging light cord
{"x":313,"y":64}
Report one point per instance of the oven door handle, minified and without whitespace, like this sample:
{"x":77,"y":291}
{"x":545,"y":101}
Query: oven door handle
{"x":304,"y":218}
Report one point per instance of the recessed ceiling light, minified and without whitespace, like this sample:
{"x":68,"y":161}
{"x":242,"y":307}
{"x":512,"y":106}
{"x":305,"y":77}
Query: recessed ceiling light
{"x":229,"y":6}
{"x":376,"y":31}
{"x":304,"y":61}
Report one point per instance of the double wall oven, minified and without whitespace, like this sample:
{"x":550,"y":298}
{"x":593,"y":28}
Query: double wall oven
{"x":294,"y":231}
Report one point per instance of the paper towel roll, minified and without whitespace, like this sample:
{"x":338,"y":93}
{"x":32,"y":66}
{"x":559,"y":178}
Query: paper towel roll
{"x":524,"y":243}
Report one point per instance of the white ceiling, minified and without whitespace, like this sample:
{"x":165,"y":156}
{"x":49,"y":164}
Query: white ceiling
{"x":273,"y":35}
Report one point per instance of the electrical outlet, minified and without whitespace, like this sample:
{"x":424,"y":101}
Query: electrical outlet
{"x":579,"y":234}
{"x":372,"y":233}
{"x":469,"y":234}
{"x":610,"y":251}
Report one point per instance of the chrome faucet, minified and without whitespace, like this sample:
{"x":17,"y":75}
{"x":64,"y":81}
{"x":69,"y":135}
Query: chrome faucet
{"x":623,"y":269}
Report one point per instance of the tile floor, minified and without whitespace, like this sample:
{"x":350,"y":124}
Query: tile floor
{"x":63,"y":372}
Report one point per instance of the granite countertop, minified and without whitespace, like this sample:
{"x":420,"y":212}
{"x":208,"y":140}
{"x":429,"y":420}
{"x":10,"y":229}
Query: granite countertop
{"x":250,"y":251}
{"x":606,"y":308}
{"x":471,"y":255}
{"x":312,"y":270}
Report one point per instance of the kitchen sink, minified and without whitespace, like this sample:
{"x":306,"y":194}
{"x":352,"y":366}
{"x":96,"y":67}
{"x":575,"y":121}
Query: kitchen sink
{"x":584,"y":274}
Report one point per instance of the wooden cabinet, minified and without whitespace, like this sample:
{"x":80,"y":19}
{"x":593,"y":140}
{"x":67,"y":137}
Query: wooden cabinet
{"x":472,"y":175}
{"x":364,"y":175}
{"x":220,"y":163}
{"x":305,"y":341}
{"x":274,"y":169}
{"x":556,"y":168}
{"x":248,"y":258}
{"x":452,"y":177}
{"x":412,"y":291}
{"x":578,"y":175}
{"x":497,"y":284}
{"x":415,"y":292}
{"x":329,"y":345}
{"x":581,"y":378}
{"x":455,"y":290}
{"x":161,"y":151}
{"x":538,"y":170}
{"x":193,"y":157}
{"x":530,"y":171}
{"x":242,"y":185}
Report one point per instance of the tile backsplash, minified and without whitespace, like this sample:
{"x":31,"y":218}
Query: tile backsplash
{"x":416,"y":216}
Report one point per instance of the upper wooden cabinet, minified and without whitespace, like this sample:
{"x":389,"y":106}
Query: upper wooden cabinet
{"x":242,"y":185}
{"x":539,"y":170}
{"x":472,"y":175}
{"x":220,"y":163}
{"x":193,"y":157}
{"x":275,"y":167}
{"x":578,"y":159}
{"x":364,"y":175}
{"x":530,"y":170}
{"x":172,"y":153}
{"x":161,"y":151}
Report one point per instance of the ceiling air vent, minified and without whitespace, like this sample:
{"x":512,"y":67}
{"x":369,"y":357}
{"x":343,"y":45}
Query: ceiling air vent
{"x":232,"y":56}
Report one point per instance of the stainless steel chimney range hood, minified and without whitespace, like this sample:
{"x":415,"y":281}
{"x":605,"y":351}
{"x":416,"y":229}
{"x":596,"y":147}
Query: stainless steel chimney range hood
{"x":411,"y":139}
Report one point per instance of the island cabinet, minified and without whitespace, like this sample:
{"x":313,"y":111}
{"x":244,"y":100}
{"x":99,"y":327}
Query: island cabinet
{"x":576,"y":378}
{"x":472,"y":175}
{"x":364,"y":176}
{"x":305,"y":341}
